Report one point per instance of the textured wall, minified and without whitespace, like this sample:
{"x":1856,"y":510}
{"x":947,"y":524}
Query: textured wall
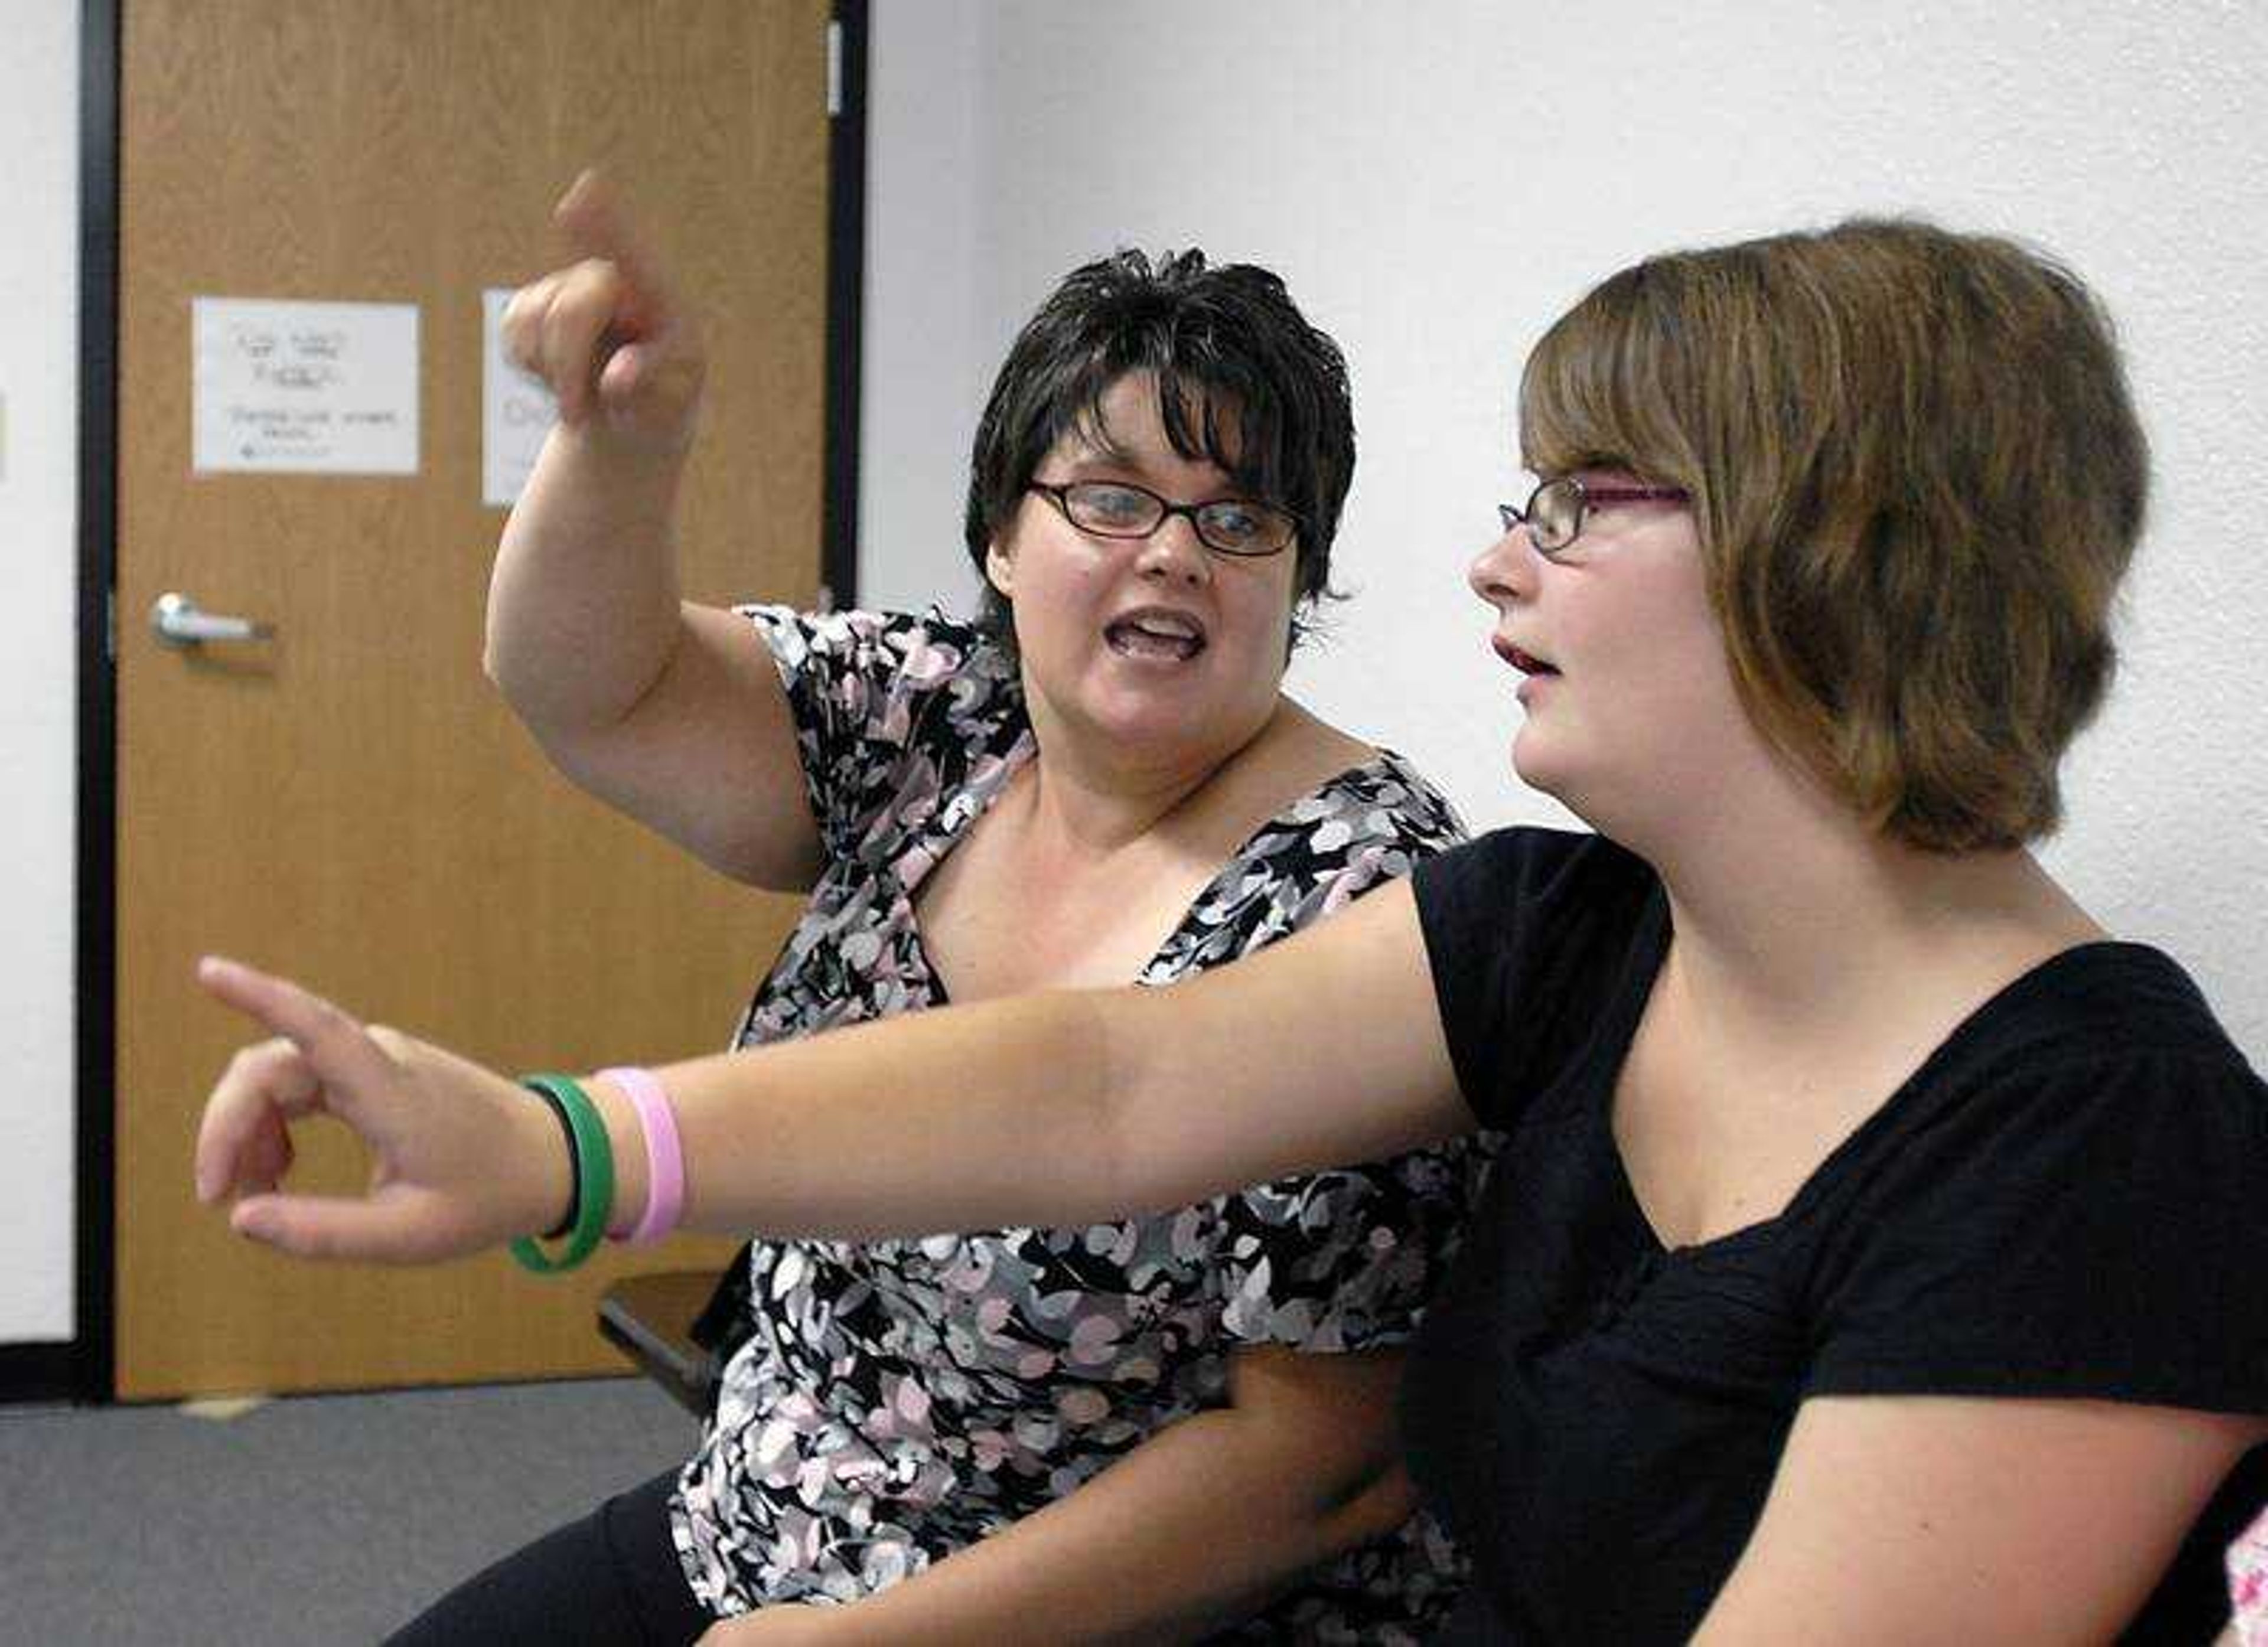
{"x":1438,"y":182}
{"x":38,"y":570}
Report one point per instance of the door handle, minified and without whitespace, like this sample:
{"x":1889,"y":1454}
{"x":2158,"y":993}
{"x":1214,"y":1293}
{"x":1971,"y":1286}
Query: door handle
{"x":178,"y":620}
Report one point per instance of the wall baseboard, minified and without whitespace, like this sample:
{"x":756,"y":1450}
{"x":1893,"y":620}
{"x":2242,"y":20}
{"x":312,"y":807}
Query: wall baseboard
{"x":39,"y":1373}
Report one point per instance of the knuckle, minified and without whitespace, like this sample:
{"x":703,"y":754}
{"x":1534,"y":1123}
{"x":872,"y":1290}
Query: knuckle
{"x":248,"y":1063}
{"x":599,"y":291}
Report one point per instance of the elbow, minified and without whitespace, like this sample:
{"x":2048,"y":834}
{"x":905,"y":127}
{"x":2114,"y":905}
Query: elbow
{"x":1144,"y":1145}
{"x":1376,"y":1507}
{"x":1092,"y":1032}
{"x":1340,"y":1510}
{"x":508,"y":674}
{"x":498,"y":661}
{"x":1329,"y":1418}
{"x":492,"y":665}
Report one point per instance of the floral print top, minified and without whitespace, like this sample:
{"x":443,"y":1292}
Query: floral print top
{"x":897,"y":1400}
{"x":2248,"y":1586}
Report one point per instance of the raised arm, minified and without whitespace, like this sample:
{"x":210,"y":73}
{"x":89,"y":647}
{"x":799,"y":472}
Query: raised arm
{"x":1050,"y":1109}
{"x":670,"y":711}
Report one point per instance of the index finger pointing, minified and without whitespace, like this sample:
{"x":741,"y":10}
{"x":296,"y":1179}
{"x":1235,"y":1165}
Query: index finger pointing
{"x":594,"y":224}
{"x":337,"y":1048}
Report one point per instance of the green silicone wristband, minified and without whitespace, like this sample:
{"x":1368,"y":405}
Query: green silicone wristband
{"x":574,"y":1166}
{"x":594,"y":1177}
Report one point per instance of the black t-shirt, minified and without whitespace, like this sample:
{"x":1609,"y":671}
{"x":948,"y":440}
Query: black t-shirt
{"x":2068,"y":1199}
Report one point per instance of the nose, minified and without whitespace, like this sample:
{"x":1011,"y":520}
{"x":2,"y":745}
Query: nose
{"x":1506,"y":570}
{"x":1175,"y":553}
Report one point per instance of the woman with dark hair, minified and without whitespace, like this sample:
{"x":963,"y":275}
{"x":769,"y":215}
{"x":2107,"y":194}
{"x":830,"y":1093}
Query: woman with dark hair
{"x":1098,"y":782}
{"x":1867,"y":1256}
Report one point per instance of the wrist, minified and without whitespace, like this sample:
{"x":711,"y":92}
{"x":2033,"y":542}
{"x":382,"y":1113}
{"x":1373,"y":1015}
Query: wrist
{"x":630,"y":457}
{"x":632,"y":1184}
{"x":546,"y":1186}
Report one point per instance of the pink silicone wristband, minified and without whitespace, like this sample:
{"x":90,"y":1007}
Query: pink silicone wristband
{"x":665,"y":1155}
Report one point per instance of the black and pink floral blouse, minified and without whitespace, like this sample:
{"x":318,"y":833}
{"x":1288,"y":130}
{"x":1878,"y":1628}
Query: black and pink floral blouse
{"x":898,"y":1400}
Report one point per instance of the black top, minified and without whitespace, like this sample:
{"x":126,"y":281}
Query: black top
{"x":2069,"y":1198}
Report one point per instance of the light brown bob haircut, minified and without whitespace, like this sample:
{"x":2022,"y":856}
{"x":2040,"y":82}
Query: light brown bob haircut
{"x":1917,"y":478}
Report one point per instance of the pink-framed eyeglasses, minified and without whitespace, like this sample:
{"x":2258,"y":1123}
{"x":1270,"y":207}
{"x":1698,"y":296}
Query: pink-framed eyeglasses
{"x":1556,"y":508}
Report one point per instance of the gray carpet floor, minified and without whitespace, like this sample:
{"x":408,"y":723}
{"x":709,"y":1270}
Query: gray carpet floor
{"x":307,"y":1521}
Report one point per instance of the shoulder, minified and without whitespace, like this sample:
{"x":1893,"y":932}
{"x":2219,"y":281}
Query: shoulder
{"x":926,"y":646}
{"x":1516,"y":888}
{"x":2061,"y":1193}
{"x":1382,"y":799}
{"x":1355,"y":831}
{"x":1528,"y":934}
{"x":891,"y":677}
{"x":892,"y":711}
{"x":2100,"y":1036}
{"x":1361,"y":827}
{"x":1532,"y":863}
{"x":2103,"y":997}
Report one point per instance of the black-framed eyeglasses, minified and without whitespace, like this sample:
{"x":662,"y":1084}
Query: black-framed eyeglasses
{"x":1120,"y":509}
{"x":1558,"y":508}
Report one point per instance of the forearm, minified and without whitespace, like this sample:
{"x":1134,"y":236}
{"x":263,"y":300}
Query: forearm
{"x":583,"y":602}
{"x":988,"y":1115}
{"x":1201,"y":1525}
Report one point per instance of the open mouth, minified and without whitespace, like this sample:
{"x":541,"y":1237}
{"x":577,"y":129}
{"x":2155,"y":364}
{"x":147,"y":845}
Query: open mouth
{"x":1527,"y":662}
{"x":1174,"y":637}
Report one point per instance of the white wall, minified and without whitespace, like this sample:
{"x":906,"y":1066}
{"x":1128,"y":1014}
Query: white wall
{"x":1438,"y":182}
{"x":39,"y":566}
{"x":925,"y":376}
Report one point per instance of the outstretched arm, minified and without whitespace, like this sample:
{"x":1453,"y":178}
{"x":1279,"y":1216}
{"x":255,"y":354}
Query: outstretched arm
{"x":1051,"y":1109}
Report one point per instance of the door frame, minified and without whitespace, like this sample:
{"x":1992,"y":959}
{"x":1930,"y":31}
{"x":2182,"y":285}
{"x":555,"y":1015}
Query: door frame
{"x":85,"y":1369}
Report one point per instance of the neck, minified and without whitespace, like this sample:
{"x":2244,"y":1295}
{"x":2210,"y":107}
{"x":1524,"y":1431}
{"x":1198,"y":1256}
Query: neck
{"x":1789,"y":911}
{"x":1095,"y":798}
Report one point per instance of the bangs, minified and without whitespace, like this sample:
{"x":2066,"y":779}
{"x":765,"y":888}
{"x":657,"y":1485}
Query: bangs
{"x":1214,"y":410}
{"x":1610,"y":386}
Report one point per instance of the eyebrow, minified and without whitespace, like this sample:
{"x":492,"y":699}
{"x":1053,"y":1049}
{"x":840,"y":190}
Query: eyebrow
{"x":1109,"y":453}
{"x":1102,"y":449}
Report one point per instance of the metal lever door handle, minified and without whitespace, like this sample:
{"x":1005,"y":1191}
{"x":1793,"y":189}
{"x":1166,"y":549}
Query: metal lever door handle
{"x":179,"y":621}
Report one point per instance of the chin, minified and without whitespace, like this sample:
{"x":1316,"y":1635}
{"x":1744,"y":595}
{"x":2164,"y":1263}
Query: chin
{"x":1532,"y":763}
{"x":1147,"y":726}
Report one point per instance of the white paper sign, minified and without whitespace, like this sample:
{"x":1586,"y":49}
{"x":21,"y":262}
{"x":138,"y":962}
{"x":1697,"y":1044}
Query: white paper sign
{"x":517,"y":412}
{"x":306,"y":388}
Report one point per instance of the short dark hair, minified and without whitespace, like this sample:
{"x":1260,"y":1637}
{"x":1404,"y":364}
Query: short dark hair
{"x":1918,"y":478}
{"x":1244,"y":382}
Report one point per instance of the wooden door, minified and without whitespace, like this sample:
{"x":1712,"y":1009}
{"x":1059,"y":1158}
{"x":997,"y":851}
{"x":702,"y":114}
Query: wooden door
{"x":348,"y":801}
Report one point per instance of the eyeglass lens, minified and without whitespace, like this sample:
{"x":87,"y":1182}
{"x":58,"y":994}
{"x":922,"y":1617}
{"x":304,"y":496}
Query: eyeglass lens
{"x":1228,"y":524}
{"x":1555,"y":514}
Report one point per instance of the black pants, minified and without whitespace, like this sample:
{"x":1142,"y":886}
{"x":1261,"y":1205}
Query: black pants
{"x":609,"y":1580}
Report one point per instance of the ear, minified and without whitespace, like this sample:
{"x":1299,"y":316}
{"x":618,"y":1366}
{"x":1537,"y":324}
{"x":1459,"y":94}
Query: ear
{"x":1000,"y":569}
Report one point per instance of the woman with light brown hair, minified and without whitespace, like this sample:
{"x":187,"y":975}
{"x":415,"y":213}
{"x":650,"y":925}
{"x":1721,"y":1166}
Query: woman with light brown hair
{"x":1853,"y":1268}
